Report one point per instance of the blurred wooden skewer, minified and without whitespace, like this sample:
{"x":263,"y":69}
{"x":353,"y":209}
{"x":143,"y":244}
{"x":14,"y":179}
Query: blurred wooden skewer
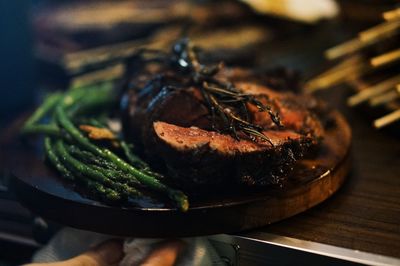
{"x":345,"y":48}
{"x":348,"y":69}
{"x":75,"y":62}
{"x":382,"y":30}
{"x":387,"y":119}
{"x":392,"y":14}
{"x":109,"y":73}
{"x":384,"y":98}
{"x":334,"y":78}
{"x":386,"y":92}
{"x":365,"y":38}
{"x":374,"y":90}
{"x":385,"y":58}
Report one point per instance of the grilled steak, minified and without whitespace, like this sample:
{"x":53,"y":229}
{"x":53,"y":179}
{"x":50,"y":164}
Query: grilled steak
{"x":167,"y":115}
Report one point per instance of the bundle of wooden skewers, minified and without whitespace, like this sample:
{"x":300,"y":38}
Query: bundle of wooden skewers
{"x":370,"y":63}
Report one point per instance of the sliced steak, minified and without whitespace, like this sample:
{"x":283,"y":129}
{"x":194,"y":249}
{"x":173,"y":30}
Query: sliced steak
{"x":198,"y":157}
{"x":172,"y":123}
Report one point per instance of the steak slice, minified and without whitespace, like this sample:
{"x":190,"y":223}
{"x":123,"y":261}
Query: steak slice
{"x":197,"y":157}
{"x":173,"y":125}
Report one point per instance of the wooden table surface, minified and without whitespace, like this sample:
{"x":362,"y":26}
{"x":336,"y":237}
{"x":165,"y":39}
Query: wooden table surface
{"x":365,"y":213}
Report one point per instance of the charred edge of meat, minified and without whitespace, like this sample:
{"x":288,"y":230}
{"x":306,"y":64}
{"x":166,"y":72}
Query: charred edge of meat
{"x":221,"y":97}
{"x":159,"y":90}
{"x":197,"y":158}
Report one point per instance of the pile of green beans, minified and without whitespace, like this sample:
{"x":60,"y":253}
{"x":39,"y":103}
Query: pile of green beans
{"x":110,"y":177}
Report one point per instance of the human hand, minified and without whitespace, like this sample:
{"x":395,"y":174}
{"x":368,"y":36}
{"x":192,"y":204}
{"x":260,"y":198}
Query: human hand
{"x":110,"y":253}
{"x":107,"y":253}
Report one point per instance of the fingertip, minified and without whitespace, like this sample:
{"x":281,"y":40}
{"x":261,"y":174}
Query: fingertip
{"x":165,"y":253}
{"x":109,"y":252}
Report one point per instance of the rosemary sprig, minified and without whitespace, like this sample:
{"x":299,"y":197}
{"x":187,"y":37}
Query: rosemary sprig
{"x":227,"y":104}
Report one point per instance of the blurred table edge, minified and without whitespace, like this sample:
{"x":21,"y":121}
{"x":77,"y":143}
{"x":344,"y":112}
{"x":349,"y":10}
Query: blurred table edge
{"x":249,"y":243}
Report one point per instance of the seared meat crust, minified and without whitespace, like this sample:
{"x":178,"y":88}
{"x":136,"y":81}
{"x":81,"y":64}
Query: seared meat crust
{"x":173,"y":125}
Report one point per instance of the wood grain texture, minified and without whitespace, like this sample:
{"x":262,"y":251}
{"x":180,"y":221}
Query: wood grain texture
{"x":365,"y":213}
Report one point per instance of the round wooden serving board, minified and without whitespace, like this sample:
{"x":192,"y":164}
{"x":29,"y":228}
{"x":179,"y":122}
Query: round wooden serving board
{"x":313,"y":180}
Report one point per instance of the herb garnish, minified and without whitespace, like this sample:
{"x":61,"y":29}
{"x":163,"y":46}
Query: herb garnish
{"x":226,"y":103}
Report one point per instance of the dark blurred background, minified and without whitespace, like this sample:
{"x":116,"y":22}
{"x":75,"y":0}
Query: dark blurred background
{"x":17,"y":78}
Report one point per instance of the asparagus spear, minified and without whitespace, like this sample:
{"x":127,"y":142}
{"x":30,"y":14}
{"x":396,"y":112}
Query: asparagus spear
{"x":132,"y":158}
{"x":48,"y":105}
{"x":85,"y":100}
{"x":102,"y":165}
{"x":146,"y":180}
{"x":77,"y":167}
{"x":90,"y":158}
{"x":53,"y":159}
{"x":98,"y":97}
{"x":106,"y":193}
{"x":105,"y":179}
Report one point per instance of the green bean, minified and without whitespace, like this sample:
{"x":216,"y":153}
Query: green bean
{"x":146,"y":180}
